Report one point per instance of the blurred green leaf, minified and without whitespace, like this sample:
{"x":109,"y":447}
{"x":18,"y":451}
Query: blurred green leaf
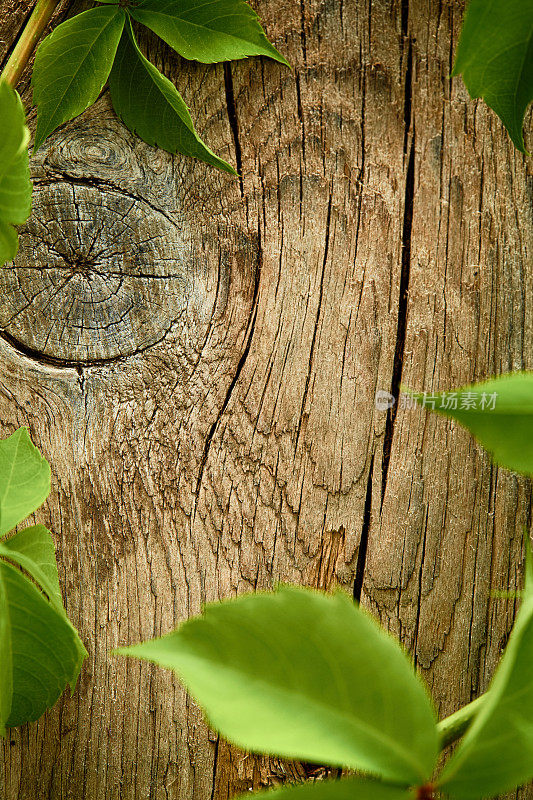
{"x":304,"y":675}
{"x":498,"y":412}
{"x":495,"y":58}
{"x":348,"y":789}
{"x":15,"y":184}
{"x":496,"y":753}
{"x":150,"y":105}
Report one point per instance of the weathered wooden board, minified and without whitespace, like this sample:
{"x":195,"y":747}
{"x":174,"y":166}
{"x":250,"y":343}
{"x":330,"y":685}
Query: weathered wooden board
{"x":198,"y":358}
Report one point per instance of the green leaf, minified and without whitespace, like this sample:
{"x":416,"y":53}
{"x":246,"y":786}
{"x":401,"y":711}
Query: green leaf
{"x":33,"y":550}
{"x":216,"y":30}
{"x":304,"y":675}
{"x":149,"y":104}
{"x":498,"y":412}
{"x":72,"y":65}
{"x":9,"y":242}
{"x":496,"y":753}
{"x":24,"y":479}
{"x":15,"y":184}
{"x":349,"y":789}
{"x":40,"y":651}
{"x":495,"y":57}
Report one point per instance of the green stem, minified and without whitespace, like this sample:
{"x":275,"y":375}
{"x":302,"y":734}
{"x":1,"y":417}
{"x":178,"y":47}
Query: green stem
{"x":454,"y":726}
{"x":32,"y":32}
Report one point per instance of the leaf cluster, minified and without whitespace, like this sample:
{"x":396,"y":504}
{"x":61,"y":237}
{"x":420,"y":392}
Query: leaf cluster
{"x":75,"y":61}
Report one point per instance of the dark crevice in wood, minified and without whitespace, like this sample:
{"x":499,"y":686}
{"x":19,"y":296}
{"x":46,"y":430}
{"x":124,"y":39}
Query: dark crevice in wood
{"x":317,"y":319}
{"x":403,"y":298}
{"x":363,"y":544}
{"x":419,"y":593}
{"x":302,"y":31}
{"x":215,"y":764}
{"x":405,"y":17}
{"x":408,"y":97}
{"x":233,"y":121}
{"x":240,"y":365}
{"x":64,"y":363}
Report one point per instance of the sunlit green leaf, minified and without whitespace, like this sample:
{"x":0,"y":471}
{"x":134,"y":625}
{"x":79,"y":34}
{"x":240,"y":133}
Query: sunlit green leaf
{"x":495,"y":58}
{"x":72,"y":65}
{"x":150,"y":105}
{"x":498,"y":412}
{"x":305,"y":675}
{"x":218,"y":30}
{"x":24,"y":479}
{"x":496,"y":753}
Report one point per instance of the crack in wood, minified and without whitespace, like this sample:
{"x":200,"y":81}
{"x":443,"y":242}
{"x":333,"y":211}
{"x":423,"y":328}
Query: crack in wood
{"x":233,"y":121}
{"x":363,"y":543}
{"x":401,"y":327}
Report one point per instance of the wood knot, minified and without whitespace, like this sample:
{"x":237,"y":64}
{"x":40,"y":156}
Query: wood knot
{"x":101,"y":274}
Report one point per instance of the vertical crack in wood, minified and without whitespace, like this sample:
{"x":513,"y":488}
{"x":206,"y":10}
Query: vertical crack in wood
{"x":215,"y":765}
{"x":363,"y":544}
{"x":240,"y":365}
{"x":233,"y":121}
{"x":404,"y":278}
{"x":317,"y":319}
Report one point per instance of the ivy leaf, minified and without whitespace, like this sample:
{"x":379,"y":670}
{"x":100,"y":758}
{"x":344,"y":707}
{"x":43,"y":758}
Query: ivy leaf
{"x":24,"y":479}
{"x":305,"y":675}
{"x":15,"y":184}
{"x":218,"y":30}
{"x":496,"y":753}
{"x":150,"y":105}
{"x":72,"y":65}
{"x":498,"y":412}
{"x":40,"y":651}
{"x":349,"y":789}
{"x":495,"y":58}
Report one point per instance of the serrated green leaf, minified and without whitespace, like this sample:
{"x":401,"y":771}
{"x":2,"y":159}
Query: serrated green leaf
{"x":212,"y":31}
{"x":304,"y":675}
{"x":150,"y":105}
{"x":39,"y":648}
{"x":15,"y":184}
{"x":495,"y":58}
{"x":33,"y":550}
{"x":72,"y":65}
{"x":349,"y":789}
{"x":24,"y":479}
{"x":498,"y":412}
{"x":496,"y":753}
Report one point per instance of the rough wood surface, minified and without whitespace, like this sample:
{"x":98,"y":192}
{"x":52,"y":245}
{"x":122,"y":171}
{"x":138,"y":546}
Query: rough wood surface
{"x":198,"y":357}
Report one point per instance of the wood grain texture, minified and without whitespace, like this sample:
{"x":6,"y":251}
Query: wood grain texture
{"x":198,"y":357}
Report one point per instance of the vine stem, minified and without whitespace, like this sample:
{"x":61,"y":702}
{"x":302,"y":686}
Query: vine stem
{"x":32,"y":32}
{"x":453,"y":727}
